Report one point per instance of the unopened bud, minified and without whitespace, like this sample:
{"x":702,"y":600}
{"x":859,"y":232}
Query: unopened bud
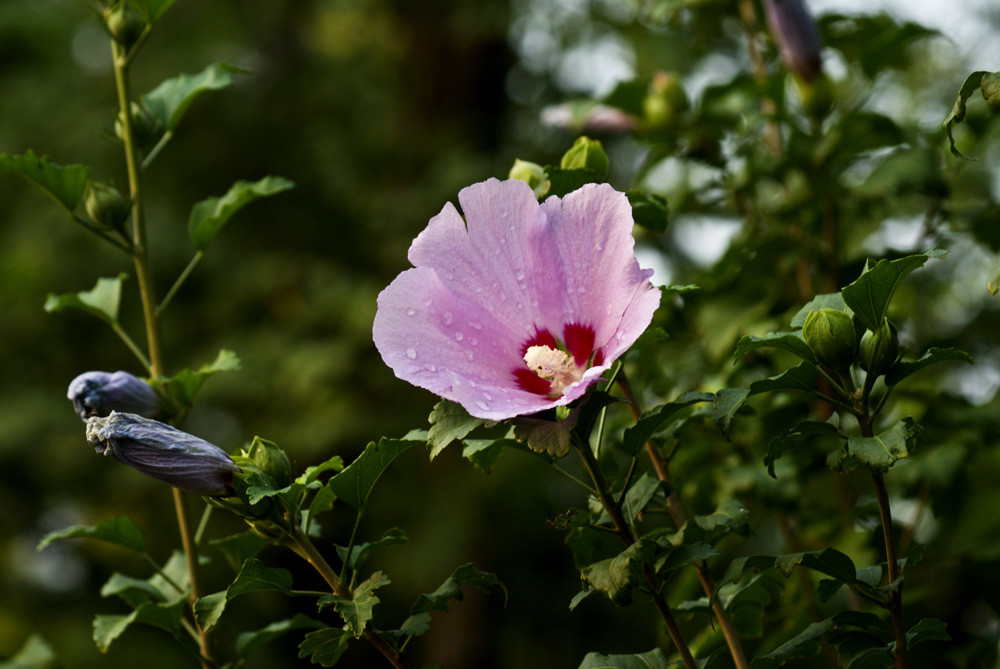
{"x":830,"y":334}
{"x":665,"y":100}
{"x":163,"y":452}
{"x":105,"y":205}
{"x":795,"y":32}
{"x":586,"y":154}
{"x":124,"y":23}
{"x":532,"y":174}
{"x":146,"y":128}
{"x":879,"y":350}
{"x":100,"y":393}
{"x":270,"y":460}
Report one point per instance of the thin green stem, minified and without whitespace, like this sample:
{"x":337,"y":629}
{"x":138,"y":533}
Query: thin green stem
{"x":182,"y":277}
{"x":132,"y":346}
{"x":159,"y":570}
{"x":103,"y":234}
{"x":574,"y":479}
{"x":202,"y":524}
{"x":350,"y":545}
{"x":155,"y":151}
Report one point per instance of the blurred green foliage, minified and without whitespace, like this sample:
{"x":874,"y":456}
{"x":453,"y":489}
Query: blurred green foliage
{"x":380,"y":111}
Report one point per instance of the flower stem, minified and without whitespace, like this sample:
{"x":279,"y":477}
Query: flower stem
{"x":895,"y":595}
{"x":662,"y":468}
{"x":307,"y":550}
{"x":144,"y":278}
{"x":627,"y":536}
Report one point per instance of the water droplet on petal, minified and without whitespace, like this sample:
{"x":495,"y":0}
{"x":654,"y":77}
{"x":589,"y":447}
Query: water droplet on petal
{"x":469,"y":355}
{"x":476,"y":326}
{"x":447,"y":318}
{"x":519,"y":275}
{"x":427,"y":301}
{"x":487,"y":397}
{"x":411,"y":312}
{"x":598,"y":246}
{"x":473,"y":342}
{"x":482,"y":405}
{"x":459,"y":336}
{"x":411,"y":353}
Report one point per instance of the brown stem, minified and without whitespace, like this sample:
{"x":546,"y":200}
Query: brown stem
{"x":628,"y":537}
{"x":676,"y":511}
{"x":895,"y":595}
{"x":191,"y":558}
{"x":748,"y":16}
{"x":305,"y":548}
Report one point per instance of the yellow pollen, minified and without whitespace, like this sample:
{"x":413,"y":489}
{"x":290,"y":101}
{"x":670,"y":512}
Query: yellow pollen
{"x":553,"y":365}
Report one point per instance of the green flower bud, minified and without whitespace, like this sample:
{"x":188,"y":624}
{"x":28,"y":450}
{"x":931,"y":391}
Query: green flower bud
{"x":586,"y":154}
{"x":830,"y":334}
{"x":105,"y":205}
{"x":879,"y":349}
{"x":271,"y":460}
{"x":531,"y":173}
{"x":990,"y":86}
{"x":665,"y":100}
{"x":146,"y":128}
{"x":124,"y":23}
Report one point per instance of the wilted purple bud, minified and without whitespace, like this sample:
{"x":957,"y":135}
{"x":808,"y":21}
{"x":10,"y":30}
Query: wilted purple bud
{"x":595,"y":118}
{"x":163,"y":453}
{"x":100,"y":393}
{"x":795,"y":32}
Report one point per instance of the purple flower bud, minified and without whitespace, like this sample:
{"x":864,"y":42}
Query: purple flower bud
{"x":100,"y":393}
{"x":795,"y":32}
{"x":163,"y":453}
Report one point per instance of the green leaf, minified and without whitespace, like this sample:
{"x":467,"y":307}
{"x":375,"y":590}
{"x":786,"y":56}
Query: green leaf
{"x":466,"y":575}
{"x":152,"y":10}
{"x":133,"y":591}
{"x":933,"y":355}
{"x":170,"y":100}
{"x":878,"y":452}
{"x":65,"y":183}
{"x":649,"y":210}
{"x":789,"y":341}
{"x":803,"y":645}
{"x":359,"y":553}
{"x":683,"y":555}
{"x":209,"y":215}
{"x":334,"y":464}
{"x":640,"y":494}
{"x":824,"y":301}
{"x":563,"y":181}
{"x":828,"y":561}
{"x":484,"y":453}
{"x":238,"y":548}
{"x":449,"y":422}
{"x":730,"y":516}
{"x":325,"y":646}
{"x":651,"y":421}
{"x":870,"y":294}
{"x":957,"y":115}
{"x":357,"y":610}
{"x":121,"y":530}
{"x":101,"y":301}
{"x":208,"y":609}
{"x":36,"y":653}
{"x":255,"y":576}
{"x":617,"y":577}
{"x":168,"y":617}
{"x":728,"y":401}
{"x":777,"y":447}
{"x":654,"y":659}
{"x":184,"y":385}
{"x":247,"y":643}
{"x":354,"y":484}
{"x":928,"y":629}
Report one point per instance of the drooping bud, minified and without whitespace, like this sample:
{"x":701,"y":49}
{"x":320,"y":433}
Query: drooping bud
{"x":146,"y":128}
{"x":100,"y":393}
{"x":879,"y":350}
{"x":124,"y":23}
{"x":665,"y":100}
{"x":105,"y":205}
{"x":271,"y":460}
{"x":830,"y":334}
{"x":163,"y":452}
{"x":794,"y":31}
{"x":586,"y":154}
{"x":532,"y":174}
{"x":990,"y":85}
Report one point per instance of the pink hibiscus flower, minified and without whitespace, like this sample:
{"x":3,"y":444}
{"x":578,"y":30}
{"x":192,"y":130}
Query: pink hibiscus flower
{"x":521,"y":306}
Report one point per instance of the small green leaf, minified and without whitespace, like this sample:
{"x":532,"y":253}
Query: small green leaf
{"x":184,"y":385}
{"x":121,"y":530}
{"x":170,"y":100}
{"x":654,"y":659}
{"x":789,"y":341}
{"x":730,"y":400}
{"x":325,"y":646}
{"x":107,"y":628}
{"x":563,"y":181}
{"x":901,"y":370}
{"x":972,"y":84}
{"x":101,"y":301}
{"x":357,"y":611}
{"x":449,"y":422}
{"x":36,"y":653}
{"x":247,"y":643}
{"x":65,"y":183}
{"x":928,"y":629}
{"x":828,"y":561}
{"x":334,"y":464}
{"x":168,"y":617}
{"x":640,"y":494}
{"x":617,"y":577}
{"x":360,"y":552}
{"x":878,"y":452}
{"x":651,"y":421}
{"x":484,"y":453}
{"x":870,"y":294}
{"x":466,"y":575}
{"x":649,"y":211}
{"x":133,"y":591}
{"x":256,"y":576}
{"x":152,"y":10}
{"x":683,"y":555}
{"x":354,"y":484}
{"x":209,"y":215}
{"x":730,"y":516}
{"x":238,"y":548}
{"x":208,"y":609}
{"x":793,"y":435}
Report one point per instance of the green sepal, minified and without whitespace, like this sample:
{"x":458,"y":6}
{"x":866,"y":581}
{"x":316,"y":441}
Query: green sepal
{"x":65,"y":183}
{"x":101,"y":301}
{"x":211,"y":214}
{"x":121,"y":531}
